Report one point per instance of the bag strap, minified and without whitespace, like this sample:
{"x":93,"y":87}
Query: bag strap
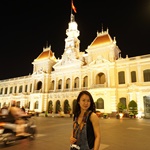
{"x":84,"y":120}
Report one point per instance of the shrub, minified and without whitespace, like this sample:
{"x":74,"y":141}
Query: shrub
{"x":132,"y":107}
{"x":120,"y":107}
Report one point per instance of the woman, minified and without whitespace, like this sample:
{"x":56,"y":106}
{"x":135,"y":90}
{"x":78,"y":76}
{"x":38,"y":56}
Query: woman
{"x":86,"y":127}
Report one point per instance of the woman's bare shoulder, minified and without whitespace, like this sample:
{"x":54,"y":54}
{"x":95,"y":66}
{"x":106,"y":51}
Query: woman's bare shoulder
{"x":93,"y":116}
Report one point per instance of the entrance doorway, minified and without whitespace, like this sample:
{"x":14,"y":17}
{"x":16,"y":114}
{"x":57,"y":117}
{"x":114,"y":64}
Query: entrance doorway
{"x":147,"y":106}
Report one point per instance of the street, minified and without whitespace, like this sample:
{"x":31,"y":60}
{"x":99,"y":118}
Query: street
{"x":54,"y":133}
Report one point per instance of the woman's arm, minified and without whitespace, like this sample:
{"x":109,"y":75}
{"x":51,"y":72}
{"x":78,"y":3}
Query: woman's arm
{"x":96,"y":126}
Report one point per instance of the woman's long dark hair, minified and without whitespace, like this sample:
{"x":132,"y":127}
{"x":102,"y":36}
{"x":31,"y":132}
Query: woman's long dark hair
{"x":77,"y":107}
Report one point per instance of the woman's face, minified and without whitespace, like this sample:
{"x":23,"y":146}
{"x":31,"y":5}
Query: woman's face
{"x":84,"y":102}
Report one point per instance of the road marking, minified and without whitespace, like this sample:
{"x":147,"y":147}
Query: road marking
{"x":145,"y":124}
{"x":134,"y":128}
{"x":40,"y":135}
{"x":103,"y":146}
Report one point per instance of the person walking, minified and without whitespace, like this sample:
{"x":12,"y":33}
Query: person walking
{"x":86,"y":127}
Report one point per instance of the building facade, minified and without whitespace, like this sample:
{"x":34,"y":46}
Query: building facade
{"x":55,"y":83}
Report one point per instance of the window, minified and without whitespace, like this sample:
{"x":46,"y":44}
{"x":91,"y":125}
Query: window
{"x":20,"y":89}
{"x":6,"y":90}
{"x":59,"y":84}
{"x":76,"y":82}
{"x":100,"y":78}
{"x":67,"y":83}
{"x":100,"y":103}
{"x":121,"y":77}
{"x":11,"y":88}
{"x":75,"y":85}
{"x":26,"y":88}
{"x":52,"y":85}
{"x":30,"y":87}
{"x":133,"y":76}
{"x":146,"y":75}
{"x":15,"y":89}
{"x":1,"y":92}
{"x":36,"y":105}
{"x":123,"y":101}
{"x":85,"y":81}
{"x":39,"y":85}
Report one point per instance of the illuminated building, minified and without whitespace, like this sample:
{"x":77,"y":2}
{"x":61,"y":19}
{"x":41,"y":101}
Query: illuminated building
{"x":100,"y":69}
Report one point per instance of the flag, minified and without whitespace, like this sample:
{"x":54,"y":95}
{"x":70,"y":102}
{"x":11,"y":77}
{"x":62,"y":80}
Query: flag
{"x":73,"y":7}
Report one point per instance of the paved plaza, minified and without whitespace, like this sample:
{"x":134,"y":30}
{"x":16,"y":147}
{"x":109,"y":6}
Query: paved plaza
{"x":117,"y":134}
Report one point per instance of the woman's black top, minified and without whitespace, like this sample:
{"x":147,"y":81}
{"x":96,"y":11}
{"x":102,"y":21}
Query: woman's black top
{"x":90,"y":132}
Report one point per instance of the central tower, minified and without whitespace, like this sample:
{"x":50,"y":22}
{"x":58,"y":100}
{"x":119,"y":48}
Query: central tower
{"x":72,"y":42}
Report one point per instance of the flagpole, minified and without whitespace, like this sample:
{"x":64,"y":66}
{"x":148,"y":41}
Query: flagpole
{"x":73,"y":8}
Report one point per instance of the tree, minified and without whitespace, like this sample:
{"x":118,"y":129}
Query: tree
{"x":132,"y":107}
{"x":68,"y":108}
{"x":120,"y":107}
{"x":50,"y":108}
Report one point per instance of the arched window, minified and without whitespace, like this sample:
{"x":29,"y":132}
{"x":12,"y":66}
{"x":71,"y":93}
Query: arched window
{"x":39,"y":85}
{"x":123,"y":101}
{"x":15,"y":89}
{"x":52,"y":85}
{"x":36,"y":106}
{"x":100,"y":103}
{"x":6,"y":89}
{"x":100,"y":78}
{"x":76,"y":82}
{"x":18,"y":104}
{"x":30,"y":87}
{"x":58,"y":106}
{"x":20,"y":89}
{"x":50,"y":106}
{"x":68,"y":83}
{"x":26,"y":87}
{"x":60,"y":84}
{"x":67,"y":107}
{"x":85,"y":81}
{"x":11,"y":89}
{"x":1,"y":92}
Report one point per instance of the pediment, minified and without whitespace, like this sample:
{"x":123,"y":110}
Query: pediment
{"x":99,"y":60}
{"x":69,"y":63}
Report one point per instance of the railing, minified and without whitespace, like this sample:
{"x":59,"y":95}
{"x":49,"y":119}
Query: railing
{"x":78,"y":89}
{"x":98,"y":85}
{"x":17,"y":78}
{"x":37,"y":91}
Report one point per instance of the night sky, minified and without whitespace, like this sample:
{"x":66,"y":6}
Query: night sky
{"x":27,"y":25}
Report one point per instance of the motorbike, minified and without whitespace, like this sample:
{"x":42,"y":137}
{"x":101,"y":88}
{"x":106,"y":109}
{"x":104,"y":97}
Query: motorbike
{"x":8,"y":136}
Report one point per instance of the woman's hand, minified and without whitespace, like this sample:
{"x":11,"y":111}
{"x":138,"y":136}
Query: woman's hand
{"x":72,"y":140}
